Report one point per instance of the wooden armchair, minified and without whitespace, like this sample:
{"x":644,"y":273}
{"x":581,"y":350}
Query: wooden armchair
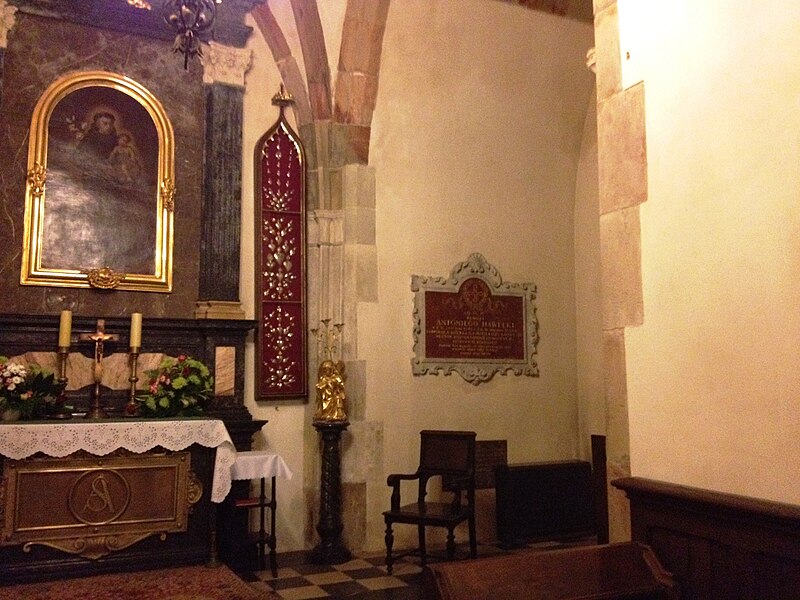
{"x":450,"y":455}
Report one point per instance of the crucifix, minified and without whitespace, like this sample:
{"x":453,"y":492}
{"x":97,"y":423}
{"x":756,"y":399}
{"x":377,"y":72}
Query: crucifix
{"x":99,"y":337}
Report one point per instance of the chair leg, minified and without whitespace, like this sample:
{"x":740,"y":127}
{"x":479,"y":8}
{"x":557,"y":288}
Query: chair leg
{"x":389,"y":537}
{"x":422,"y":552}
{"x":473,"y":538}
{"x":451,"y":544}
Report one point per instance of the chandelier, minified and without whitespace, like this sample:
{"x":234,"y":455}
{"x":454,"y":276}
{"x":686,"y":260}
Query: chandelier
{"x":191,"y":19}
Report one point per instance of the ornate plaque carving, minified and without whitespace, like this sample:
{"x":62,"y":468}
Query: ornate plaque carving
{"x":473,"y":323}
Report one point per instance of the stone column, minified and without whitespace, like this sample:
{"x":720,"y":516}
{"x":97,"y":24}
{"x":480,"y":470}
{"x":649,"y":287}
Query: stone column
{"x":622,"y":188}
{"x":224,"y":69}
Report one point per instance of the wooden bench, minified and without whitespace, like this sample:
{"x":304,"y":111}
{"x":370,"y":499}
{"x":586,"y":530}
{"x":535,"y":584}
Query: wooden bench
{"x":622,"y":571}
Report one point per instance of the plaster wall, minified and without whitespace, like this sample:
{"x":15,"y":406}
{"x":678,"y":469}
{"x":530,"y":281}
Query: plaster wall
{"x":713,"y":383}
{"x":475,"y":143}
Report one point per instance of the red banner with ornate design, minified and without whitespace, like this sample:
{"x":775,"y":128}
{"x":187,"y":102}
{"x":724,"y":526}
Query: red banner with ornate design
{"x":280,"y":249}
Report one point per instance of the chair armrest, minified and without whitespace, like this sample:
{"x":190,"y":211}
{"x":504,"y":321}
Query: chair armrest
{"x":394,"y":482}
{"x":395,"y":478}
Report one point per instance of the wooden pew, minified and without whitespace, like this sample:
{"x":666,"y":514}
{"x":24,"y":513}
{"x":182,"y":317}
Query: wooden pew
{"x":625,"y":571}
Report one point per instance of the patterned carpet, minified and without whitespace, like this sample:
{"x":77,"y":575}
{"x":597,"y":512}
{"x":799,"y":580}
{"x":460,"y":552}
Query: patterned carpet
{"x":188,"y":583}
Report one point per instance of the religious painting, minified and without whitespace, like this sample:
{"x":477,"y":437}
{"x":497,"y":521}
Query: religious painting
{"x":474,"y":323}
{"x":99,"y":195}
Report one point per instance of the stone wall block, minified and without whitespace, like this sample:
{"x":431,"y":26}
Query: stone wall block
{"x":367,"y":273}
{"x":621,"y":269}
{"x":349,"y":144}
{"x":358,"y":185}
{"x":617,"y":430}
{"x":362,"y":450}
{"x":616,"y":392}
{"x":619,"y":513}
{"x":621,"y":148}
{"x":600,"y":5}
{"x":312,"y":190}
{"x":606,"y":39}
{"x":359,"y":225}
{"x":336,"y":191}
{"x":354,"y":518}
{"x":308,"y":136}
{"x":355,"y":389}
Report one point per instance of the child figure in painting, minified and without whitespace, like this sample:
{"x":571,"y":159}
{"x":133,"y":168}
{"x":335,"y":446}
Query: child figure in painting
{"x":330,"y":392}
{"x":125,"y":159}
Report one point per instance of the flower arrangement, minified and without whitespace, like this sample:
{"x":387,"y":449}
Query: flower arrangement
{"x":179,"y":387}
{"x":26,"y":391}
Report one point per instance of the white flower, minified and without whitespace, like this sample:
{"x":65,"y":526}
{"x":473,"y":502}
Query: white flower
{"x":11,"y":387}
{"x":16,"y":379}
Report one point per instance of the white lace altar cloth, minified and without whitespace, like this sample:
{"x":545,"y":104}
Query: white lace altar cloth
{"x":21,"y":440}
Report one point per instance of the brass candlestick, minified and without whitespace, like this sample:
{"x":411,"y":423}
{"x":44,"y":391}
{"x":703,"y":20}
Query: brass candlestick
{"x":60,"y":412}
{"x":131,"y":408}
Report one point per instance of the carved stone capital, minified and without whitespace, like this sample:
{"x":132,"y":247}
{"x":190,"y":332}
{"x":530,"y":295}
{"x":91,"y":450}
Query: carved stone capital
{"x":223,"y":64}
{"x":6,"y":21}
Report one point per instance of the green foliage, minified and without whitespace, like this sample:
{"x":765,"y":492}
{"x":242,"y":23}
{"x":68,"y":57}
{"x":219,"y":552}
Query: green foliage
{"x":179,"y":387}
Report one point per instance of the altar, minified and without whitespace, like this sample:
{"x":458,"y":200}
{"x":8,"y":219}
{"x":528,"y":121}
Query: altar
{"x":83,"y":497}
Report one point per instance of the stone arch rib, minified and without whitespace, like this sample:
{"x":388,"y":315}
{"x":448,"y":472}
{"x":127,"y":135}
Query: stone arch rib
{"x":315,"y":56}
{"x":359,"y":61}
{"x":286,"y":63}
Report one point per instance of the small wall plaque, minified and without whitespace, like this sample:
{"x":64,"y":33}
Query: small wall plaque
{"x":473,"y":323}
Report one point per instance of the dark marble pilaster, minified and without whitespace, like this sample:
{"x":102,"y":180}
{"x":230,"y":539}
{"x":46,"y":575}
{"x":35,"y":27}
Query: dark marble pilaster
{"x":222,"y":191}
{"x":2,"y":55}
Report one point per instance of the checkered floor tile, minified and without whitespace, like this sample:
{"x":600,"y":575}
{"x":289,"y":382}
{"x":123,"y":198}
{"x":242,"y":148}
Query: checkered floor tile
{"x":364,"y":578}
{"x":359,"y":579}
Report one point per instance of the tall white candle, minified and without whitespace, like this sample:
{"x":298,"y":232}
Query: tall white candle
{"x":64,"y":328}
{"x":136,"y":330}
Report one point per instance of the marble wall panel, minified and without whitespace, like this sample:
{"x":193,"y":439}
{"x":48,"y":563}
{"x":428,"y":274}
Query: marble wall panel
{"x":35,"y":57}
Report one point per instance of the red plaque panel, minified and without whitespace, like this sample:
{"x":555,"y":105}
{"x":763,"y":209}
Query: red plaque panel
{"x":280,"y":250}
{"x":474,"y":323}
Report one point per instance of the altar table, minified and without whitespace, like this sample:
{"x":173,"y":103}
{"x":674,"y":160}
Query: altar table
{"x":84,"y":497}
{"x":62,"y":438}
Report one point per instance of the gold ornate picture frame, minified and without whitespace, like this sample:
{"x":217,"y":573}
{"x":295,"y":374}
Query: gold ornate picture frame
{"x":99,"y":195}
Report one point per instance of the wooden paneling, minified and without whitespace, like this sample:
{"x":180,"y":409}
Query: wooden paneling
{"x":718,"y":545}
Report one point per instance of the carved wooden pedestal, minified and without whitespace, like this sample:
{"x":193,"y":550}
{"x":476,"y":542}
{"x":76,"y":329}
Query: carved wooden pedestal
{"x":330,"y":550}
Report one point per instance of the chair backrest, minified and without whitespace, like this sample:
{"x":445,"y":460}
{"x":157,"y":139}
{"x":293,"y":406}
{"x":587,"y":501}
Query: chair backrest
{"x":450,"y":454}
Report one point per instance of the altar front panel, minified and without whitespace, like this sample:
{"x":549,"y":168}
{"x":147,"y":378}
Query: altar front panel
{"x":92,"y":506}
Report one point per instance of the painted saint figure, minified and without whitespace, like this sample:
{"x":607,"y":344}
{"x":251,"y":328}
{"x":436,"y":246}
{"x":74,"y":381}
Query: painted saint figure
{"x":100,"y":138}
{"x":330,"y":392}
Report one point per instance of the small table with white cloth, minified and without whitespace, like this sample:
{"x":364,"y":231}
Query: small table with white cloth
{"x":261,"y":465}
